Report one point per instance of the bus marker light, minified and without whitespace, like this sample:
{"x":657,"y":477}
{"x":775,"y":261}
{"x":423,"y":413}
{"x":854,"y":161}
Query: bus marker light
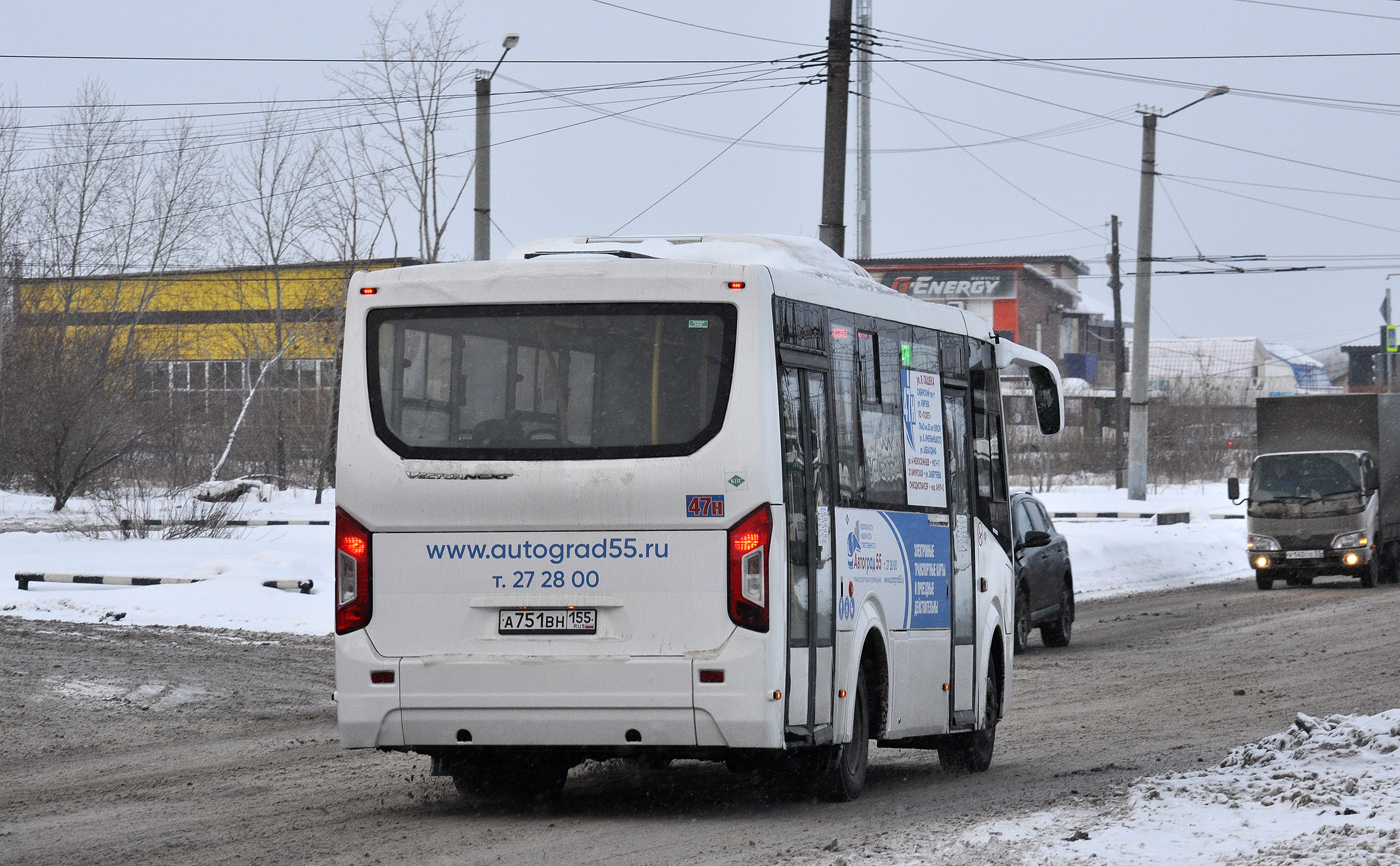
{"x":777,"y":694}
{"x":748,"y":569}
{"x":841,"y":694}
{"x":352,"y":576}
{"x":368,"y":290}
{"x":381,"y":677}
{"x":945,"y":687}
{"x":711,"y":676}
{"x":984,"y":584}
{"x":736,"y":284}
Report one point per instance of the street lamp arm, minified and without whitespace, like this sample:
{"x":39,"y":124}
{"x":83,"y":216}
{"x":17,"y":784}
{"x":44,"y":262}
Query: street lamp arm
{"x":1214,"y":91}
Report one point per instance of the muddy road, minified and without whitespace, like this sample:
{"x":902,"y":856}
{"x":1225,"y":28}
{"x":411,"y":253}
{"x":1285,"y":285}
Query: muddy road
{"x":146,"y":745}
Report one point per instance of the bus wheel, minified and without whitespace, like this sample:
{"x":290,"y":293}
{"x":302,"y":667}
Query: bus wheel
{"x":521,"y":778}
{"x":1023,"y":621}
{"x":845,"y":779}
{"x":1263,"y":580}
{"x":972,"y":751}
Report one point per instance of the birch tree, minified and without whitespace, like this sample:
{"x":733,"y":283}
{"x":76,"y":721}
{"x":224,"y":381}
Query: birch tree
{"x":412,"y":71}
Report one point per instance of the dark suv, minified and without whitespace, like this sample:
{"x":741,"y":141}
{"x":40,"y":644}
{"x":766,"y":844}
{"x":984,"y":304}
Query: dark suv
{"x":1044,"y":585}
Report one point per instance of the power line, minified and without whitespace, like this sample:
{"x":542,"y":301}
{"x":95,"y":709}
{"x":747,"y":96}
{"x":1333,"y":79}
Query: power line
{"x":708,"y":163}
{"x":1319,"y":9}
{"x":703,"y":27}
{"x":979,"y":160}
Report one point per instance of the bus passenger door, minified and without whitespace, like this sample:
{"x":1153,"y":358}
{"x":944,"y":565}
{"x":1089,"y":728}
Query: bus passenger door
{"x":811,"y":576}
{"x":963,"y":681}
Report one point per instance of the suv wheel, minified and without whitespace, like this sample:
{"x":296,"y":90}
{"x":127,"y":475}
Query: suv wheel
{"x":1022,"y":634}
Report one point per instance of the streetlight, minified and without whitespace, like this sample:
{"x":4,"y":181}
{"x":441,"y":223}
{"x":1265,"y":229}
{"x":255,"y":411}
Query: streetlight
{"x":483,"y":152}
{"x":1142,"y":299}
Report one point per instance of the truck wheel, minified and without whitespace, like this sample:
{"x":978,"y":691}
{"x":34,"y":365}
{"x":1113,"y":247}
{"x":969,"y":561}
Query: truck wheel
{"x":1022,"y":634}
{"x":845,"y":778}
{"x":1057,"y":633}
{"x":1372,"y":573}
{"x":1263,"y":580}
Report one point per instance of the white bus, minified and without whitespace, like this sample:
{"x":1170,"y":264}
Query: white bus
{"x":722,"y":498}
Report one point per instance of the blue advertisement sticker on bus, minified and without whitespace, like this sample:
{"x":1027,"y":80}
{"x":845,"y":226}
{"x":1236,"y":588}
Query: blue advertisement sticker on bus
{"x":704,"y":506}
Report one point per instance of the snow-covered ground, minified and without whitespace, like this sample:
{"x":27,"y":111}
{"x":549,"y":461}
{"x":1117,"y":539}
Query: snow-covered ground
{"x":1325,"y":791}
{"x":232,"y":569}
{"x":1109,"y":557}
{"x":1118,"y":557}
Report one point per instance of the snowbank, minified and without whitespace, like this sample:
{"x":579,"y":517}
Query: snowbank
{"x":231,"y":570}
{"x":1124,"y":556}
{"x":1322,"y":792}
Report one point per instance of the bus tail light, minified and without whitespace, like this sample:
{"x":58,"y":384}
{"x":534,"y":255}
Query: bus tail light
{"x":352,"y":579}
{"x":749,"y":541}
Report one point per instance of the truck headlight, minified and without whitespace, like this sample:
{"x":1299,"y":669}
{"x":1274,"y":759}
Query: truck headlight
{"x":1261,"y":542}
{"x":1350,"y":539}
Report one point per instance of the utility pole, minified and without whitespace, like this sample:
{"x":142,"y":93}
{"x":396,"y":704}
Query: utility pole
{"x":864,"y":43}
{"x":1119,"y":359}
{"x":1142,"y":298}
{"x":482,"y":245}
{"x":838,"y":91}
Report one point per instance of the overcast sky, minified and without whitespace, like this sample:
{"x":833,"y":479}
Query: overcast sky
{"x":972,"y":157}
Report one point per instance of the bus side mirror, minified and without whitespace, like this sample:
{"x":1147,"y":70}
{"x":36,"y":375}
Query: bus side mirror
{"x":1047,"y":400}
{"x":1232,"y":488}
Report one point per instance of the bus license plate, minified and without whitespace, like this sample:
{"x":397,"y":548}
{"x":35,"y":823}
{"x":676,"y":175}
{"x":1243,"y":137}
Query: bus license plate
{"x":574,"y":620}
{"x":1303,"y":554}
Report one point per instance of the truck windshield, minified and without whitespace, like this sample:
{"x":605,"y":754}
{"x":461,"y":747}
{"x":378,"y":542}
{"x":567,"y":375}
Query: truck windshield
{"x":1331,"y":481}
{"x":549,"y":382}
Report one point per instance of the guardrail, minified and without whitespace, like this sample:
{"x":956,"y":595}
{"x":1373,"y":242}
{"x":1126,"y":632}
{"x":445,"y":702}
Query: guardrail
{"x":1163,"y":518}
{"x":25,"y":578}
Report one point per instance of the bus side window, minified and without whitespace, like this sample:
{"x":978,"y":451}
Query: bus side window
{"x":989,"y":463}
{"x":868,"y":366}
{"x":882,"y":421}
{"x":850,"y":477}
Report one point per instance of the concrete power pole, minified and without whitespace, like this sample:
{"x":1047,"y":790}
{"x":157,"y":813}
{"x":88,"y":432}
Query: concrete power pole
{"x":482,"y":246}
{"x":864,"y":39}
{"x":838,"y":91}
{"x":1142,"y":297}
{"x":1119,"y":358}
{"x":1142,"y":312}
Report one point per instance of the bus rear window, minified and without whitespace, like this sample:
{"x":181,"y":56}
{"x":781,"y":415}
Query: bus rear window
{"x":549,"y":382}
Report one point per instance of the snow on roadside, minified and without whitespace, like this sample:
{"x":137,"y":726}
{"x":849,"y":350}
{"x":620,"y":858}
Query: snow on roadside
{"x":231,"y":571}
{"x":1122,"y":556}
{"x":1325,"y":791}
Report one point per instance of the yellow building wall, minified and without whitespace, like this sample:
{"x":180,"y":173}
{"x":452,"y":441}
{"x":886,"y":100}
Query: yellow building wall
{"x":193,"y":315}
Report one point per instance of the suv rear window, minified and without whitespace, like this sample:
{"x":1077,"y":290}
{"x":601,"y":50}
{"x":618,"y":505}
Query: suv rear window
{"x":549,"y":382}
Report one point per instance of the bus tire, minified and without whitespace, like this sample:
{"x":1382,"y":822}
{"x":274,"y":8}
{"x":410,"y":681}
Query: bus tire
{"x":1263,"y":580}
{"x":1022,"y":634}
{"x":523,"y":778}
{"x":845,"y":778}
{"x":1056,"y":633}
{"x":971,"y":752}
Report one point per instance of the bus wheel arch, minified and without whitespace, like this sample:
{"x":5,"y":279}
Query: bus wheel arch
{"x":874,"y":664}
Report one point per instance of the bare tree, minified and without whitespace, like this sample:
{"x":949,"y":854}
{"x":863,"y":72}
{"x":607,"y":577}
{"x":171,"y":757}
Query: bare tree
{"x":108,"y":218}
{"x":14,"y":197}
{"x":278,"y":176}
{"x":410,"y":72}
{"x":355,"y":213}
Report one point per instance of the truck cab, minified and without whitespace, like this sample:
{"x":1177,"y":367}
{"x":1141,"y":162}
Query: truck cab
{"x":1313,"y":513}
{"x":1324,"y":492}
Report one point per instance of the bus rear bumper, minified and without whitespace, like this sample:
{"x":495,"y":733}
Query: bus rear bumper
{"x":595,"y":701}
